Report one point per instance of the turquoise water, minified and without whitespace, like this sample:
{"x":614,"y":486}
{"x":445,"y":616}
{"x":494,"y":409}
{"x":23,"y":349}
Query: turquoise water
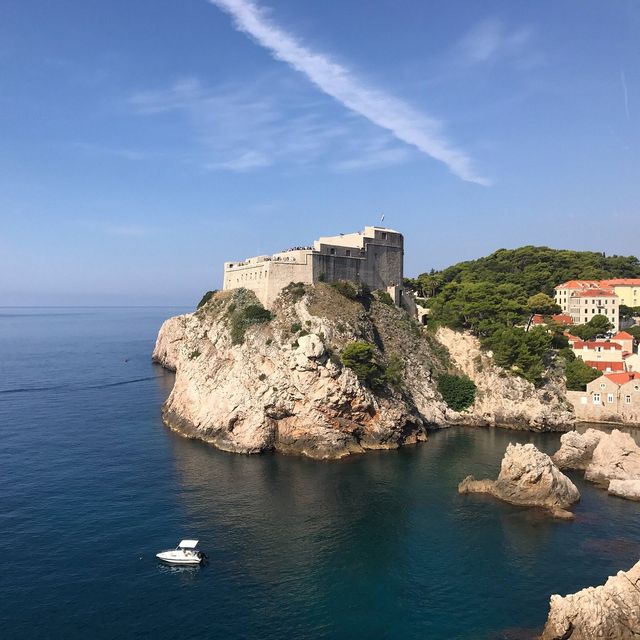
{"x":378,"y":546}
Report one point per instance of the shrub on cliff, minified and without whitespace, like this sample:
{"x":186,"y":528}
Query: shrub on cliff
{"x":385,"y":298}
{"x":244,"y":317}
{"x":360,"y":358}
{"x":459,"y":392}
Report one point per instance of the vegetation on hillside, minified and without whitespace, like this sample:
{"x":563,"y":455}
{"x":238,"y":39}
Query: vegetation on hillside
{"x":495,"y":296}
{"x":361,"y":357}
{"x":459,"y":392}
{"x":530,"y":269}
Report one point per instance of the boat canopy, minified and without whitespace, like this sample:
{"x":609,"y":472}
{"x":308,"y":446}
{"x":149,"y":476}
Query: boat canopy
{"x":188,"y":544}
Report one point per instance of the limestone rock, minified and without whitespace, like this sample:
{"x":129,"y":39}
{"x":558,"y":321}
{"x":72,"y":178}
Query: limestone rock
{"x":576,"y":449}
{"x":617,"y":457}
{"x":608,"y":612}
{"x":278,"y":391}
{"x":629,"y":489}
{"x":311,"y":346}
{"x":527,"y":477}
{"x":503,"y":399}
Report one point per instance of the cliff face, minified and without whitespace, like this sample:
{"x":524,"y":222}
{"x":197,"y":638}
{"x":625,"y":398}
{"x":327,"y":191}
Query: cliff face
{"x":503,"y":399}
{"x":610,"y":611}
{"x":282,"y":387}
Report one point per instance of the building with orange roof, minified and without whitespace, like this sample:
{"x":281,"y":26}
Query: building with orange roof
{"x":602,"y":355}
{"x":584,"y":299}
{"x":625,"y":340}
{"x":614,"y":397}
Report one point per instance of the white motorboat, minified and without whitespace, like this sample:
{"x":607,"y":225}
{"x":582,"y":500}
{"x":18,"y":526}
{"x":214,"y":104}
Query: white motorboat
{"x":185,"y":553}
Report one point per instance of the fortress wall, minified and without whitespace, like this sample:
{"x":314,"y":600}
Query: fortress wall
{"x":374,"y":257}
{"x":283,"y":273}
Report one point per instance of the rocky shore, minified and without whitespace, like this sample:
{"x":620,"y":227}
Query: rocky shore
{"x":282,"y":387}
{"x":610,"y":460}
{"x":528,"y":478}
{"x":607,"y":612}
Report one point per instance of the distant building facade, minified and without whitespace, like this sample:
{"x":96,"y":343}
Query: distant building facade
{"x":584,"y":299}
{"x":627,"y":290}
{"x":374,"y":257}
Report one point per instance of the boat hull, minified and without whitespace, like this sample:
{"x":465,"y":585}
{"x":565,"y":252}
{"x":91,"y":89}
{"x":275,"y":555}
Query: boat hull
{"x":171,"y":557}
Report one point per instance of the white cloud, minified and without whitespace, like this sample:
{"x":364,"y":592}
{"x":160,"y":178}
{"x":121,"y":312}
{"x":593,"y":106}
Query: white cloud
{"x":247,"y":127}
{"x":380,"y":108}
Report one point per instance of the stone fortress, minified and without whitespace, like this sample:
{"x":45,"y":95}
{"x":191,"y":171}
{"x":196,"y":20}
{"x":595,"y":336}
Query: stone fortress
{"x":373,"y":257}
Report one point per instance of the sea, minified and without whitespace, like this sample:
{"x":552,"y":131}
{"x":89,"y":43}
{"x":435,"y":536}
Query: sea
{"x":93,"y":485}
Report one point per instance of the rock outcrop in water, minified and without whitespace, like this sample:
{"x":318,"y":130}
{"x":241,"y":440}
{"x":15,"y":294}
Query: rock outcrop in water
{"x":611,"y":460}
{"x":607,"y":612}
{"x":528,"y":478}
{"x":503,"y":399}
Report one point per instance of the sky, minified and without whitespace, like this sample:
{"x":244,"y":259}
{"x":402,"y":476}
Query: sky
{"x":142,"y":144}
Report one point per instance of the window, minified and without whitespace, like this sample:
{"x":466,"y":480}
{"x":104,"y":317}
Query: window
{"x":610,"y":398}
{"x":332,"y":251}
{"x":596,"y":398}
{"x":627,"y":399}
{"x":602,"y":385}
{"x":348,"y":252}
{"x":384,"y":236}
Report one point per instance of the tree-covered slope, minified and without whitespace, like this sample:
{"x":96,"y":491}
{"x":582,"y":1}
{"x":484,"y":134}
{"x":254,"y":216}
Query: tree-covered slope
{"x":531,"y":269}
{"x":494,"y":297}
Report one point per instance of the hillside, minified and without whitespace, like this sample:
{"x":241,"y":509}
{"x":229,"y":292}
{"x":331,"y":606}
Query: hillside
{"x":529,"y":270}
{"x":493,"y":298}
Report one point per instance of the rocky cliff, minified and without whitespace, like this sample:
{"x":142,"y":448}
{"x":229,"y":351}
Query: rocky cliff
{"x":282,"y":386}
{"x":610,"y":612}
{"x":503,"y":399}
{"x":251,"y":384}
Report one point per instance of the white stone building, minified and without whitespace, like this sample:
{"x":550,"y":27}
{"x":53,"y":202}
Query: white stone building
{"x":374,"y":257}
{"x":584,"y":299}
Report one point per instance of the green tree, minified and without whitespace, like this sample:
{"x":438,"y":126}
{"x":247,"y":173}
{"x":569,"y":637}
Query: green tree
{"x":543,"y":304}
{"x":598,"y":325}
{"x":579,"y":375}
{"x":459,"y":392}
{"x":360,"y":357}
{"x":626,"y":313}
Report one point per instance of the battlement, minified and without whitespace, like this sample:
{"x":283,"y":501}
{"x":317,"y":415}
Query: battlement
{"x":373,"y":256}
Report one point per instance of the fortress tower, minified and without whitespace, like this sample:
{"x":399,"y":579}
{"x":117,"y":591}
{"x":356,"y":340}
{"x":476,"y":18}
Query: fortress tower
{"x":373,"y":257}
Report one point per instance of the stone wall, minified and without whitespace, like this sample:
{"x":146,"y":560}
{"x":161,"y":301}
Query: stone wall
{"x":608,"y":403}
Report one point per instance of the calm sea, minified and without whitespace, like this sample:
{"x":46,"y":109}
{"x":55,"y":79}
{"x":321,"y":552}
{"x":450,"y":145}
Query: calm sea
{"x":92,"y":485}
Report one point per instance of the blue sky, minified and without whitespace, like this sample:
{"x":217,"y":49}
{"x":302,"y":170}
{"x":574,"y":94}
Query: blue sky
{"x":143,"y":143}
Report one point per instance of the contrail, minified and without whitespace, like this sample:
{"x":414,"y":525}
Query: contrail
{"x":625,"y":93}
{"x":386,"y":111}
